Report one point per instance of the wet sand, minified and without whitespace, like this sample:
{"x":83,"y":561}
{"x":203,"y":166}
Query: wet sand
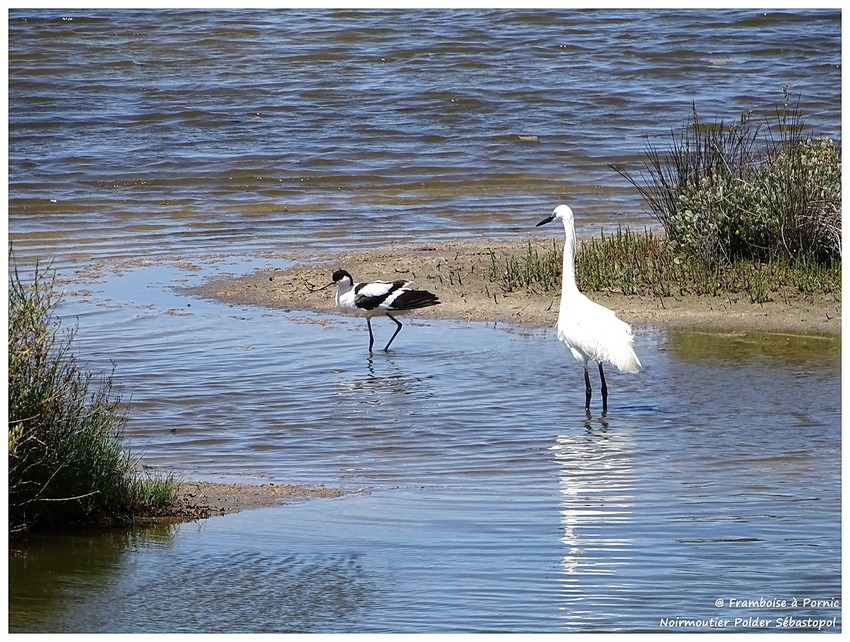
{"x":458,"y":272}
{"x":200,"y":500}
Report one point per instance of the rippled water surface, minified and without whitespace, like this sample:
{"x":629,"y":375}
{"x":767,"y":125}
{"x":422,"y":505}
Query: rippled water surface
{"x":142,"y":131}
{"x":491,"y":503}
{"x":148,"y":150}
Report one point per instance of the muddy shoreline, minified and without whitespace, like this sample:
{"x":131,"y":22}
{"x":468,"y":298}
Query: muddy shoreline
{"x":201,"y":500}
{"x":458,"y":272}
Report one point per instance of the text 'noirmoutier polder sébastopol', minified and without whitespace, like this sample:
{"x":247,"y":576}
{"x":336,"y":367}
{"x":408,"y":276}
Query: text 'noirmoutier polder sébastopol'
{"x":756,"y":622}
{"x":788,"y":622}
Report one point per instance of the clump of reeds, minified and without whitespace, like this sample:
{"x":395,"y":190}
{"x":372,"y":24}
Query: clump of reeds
{"x":645,"y":264}
{"x":67,"y":464}
{"x":537,"y":269}
{"x":746,"y":190}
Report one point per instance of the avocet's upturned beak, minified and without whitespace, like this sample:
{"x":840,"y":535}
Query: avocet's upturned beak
{"x":324,"y":287}
{"x":548,"y":219}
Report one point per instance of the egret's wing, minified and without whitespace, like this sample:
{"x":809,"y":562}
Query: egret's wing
{"x":597,"y":334}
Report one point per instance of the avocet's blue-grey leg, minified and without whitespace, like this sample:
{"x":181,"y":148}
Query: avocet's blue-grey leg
{"x":397,"y":330}
{"x":371,"y":338}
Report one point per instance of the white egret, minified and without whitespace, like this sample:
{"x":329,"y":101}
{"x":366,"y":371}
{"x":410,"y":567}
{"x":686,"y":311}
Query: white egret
{"x":592,"y":332}
{"x":378,"y":297}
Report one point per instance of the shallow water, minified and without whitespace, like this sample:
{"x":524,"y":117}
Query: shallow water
{"x":487,"y":500}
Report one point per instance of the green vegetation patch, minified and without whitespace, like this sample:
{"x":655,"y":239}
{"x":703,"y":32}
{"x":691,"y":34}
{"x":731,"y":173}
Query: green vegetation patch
{"x":750,"y":207}
{"x":643,"y":263}
{"x":752,"y":189}
{"x":67,"y":463}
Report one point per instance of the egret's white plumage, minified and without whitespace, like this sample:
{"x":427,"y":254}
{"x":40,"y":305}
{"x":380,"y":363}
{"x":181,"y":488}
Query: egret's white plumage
{"x":591,"y":332}
{"x":378,"y":297}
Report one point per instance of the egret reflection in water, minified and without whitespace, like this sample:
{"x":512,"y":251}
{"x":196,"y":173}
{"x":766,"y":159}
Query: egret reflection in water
{"x":597,"y":488}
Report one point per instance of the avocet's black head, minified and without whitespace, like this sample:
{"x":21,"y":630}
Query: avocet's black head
{"x":341,"y":275}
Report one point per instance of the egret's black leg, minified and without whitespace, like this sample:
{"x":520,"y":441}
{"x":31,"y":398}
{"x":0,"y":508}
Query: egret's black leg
{"x":397,"y":330}
{"x":604,"y":389}
{"x":371,"y":338}
{"x":587,"y":391}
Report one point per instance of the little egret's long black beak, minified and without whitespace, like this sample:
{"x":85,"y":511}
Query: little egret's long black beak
{"x":548,"y":219}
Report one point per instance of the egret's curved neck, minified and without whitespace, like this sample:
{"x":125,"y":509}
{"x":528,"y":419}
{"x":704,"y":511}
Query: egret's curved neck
{"x":568,"y":278}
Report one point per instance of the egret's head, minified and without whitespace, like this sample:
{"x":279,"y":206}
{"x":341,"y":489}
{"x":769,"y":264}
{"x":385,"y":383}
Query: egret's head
{"x":560,"y":213}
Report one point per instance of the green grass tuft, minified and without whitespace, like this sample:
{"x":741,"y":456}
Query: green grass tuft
{"x":537,"y":269}
{"x":645,"y":264}
{"x":67,"y":463}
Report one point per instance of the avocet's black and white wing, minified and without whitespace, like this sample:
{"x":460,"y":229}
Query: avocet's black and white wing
{"x":391,"y":297}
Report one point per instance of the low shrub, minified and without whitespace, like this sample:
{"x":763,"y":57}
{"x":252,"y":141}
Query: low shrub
{"x":747,"y":190}
{"x":67,"y":464}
